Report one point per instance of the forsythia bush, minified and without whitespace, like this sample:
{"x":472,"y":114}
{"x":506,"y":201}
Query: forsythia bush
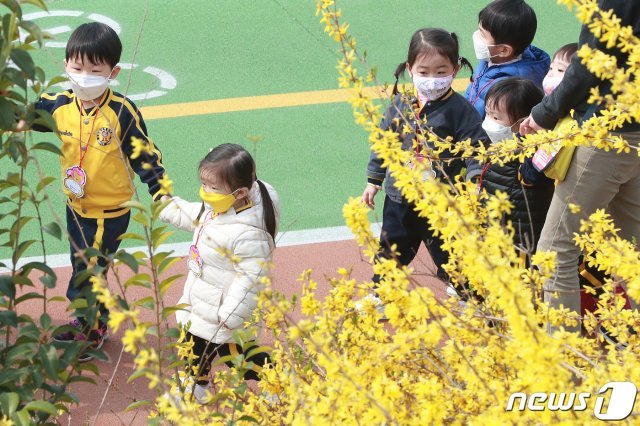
{"x":434,"y":361}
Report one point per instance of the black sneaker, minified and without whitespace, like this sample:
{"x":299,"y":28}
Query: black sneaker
{"x":96,"y":339}
{"x":610,"y":338}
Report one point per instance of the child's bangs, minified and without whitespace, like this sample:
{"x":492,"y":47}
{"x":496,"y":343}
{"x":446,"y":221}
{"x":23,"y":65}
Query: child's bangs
{"x":209,"y":172}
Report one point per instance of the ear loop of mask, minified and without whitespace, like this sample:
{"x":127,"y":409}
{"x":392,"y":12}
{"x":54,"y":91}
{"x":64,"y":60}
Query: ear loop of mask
{"x":517,"y":123}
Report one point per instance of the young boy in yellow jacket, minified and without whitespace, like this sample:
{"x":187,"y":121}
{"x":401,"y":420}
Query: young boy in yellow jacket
{"x":99,"y":130}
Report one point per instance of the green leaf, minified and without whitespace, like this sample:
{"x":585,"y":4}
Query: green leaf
{"x":44,"y":183}
{"x":166,"y":283}
{"x":258,"y":350}
{"x":40,"y":266}
{"x":134,"y":205}
{"x":56,"y":80}
{"x":173,"y":333}
{"x":7,"y":114}
{"x":7,"y":287}
{"x":9,"y":375}
{"x":141,"y":218}
{"x":45,"y":321}
{"x":57,"y":299}
{"x":23,"y":60}
{"x":136,"y":375}
{"x":39,"y":3}
{"x":167,"y":263}
{"x":138,"y":404}
{"x":78,"y":304}
{"x":34,"y":30}
{"x":29,"y":296}
{"x":128,"y":259}
{"x":45,"y":120}
{"x":22,"y":247}
{"x":53,"y":229}
{"x":49,"y":358}
{"x":43,"y":406}
{"x":89,"y":366}
{"x":49,"y":281}
{"x":13,"y":5}
{"x":82,"y":379}
{"x":139,"y":280}
{"x":159,"y":235}
{"x":22,"y":418}
{"x":132,"y":236}
{"x":171,"y":309}
{"x":9,"y":402}
{"x":146,"y":302}
{"x":247,"y":418}
{"x":47,"y":146}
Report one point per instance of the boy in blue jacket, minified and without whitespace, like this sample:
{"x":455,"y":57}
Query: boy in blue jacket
{"x":502,"y":43}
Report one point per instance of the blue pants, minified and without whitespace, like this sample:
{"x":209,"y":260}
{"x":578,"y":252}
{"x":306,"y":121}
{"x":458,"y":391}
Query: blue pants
{"x":101,"y":234}
{"x":402,"y":226}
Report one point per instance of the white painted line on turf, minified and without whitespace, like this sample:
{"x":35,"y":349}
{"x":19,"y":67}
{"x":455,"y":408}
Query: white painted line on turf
{"x":167,"y":81}
{"x":283,"y":239}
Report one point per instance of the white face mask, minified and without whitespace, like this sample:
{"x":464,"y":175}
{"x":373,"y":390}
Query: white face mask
{"x":549,"y":84}
{"x":431,"y":88}
{"x":497,"y":132}
{"x":481,"y":47}
{"x":88,"y":87}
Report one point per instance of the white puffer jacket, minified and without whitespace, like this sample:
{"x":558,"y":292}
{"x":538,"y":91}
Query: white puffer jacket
{"x":236,"y":250}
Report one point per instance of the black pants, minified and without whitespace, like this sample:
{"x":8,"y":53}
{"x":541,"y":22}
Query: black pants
{"x":207,"y":351}
{"x":101,"y":234}
{"x":402,"y":226}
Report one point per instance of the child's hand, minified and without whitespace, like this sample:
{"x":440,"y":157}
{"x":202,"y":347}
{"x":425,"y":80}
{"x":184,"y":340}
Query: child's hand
{"x":165,"y":198}
{"x":21,"y":126}
{"x":369,"y":194}
{"x":529,"y":126}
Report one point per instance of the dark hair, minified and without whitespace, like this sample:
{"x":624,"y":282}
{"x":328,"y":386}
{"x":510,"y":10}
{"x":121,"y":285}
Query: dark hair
{"x":424,"y":41}
{"x":518,"y":95}
{"x":566,"y":52}
{"x":511,"y":22}
{"x":235,"y":166}
{"x":97,"y":41}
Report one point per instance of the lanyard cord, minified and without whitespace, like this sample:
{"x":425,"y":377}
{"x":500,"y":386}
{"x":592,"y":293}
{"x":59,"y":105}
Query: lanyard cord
{"x":211,"y":217}
{"x":479,"y":92}
{"x":85,"y":148}
{"x":485,"y":169}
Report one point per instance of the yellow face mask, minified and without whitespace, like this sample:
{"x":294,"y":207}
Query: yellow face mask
{"x":220,"y":203}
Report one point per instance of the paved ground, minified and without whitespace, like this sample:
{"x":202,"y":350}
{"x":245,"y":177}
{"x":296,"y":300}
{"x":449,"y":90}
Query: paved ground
{"x":323,"y":258}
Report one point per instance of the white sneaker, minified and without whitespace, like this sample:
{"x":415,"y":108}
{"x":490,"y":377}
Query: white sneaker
{"x":375,"y":301}
{"x":201,"y":393}
{"x":451,"y":292}
{"x":271,"y":398}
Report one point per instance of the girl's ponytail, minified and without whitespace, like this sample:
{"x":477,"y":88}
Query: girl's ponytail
{"x":200,"y":213}
{"x":268,"y":210}
{"x":398,"y":72}
{"x":464,"y":62}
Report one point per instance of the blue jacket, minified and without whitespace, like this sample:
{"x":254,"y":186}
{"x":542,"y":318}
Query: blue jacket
{"x":533,"y":66}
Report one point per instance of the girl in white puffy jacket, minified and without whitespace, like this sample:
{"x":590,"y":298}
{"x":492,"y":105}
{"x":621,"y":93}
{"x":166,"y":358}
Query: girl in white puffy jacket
{"x":233,"y":241}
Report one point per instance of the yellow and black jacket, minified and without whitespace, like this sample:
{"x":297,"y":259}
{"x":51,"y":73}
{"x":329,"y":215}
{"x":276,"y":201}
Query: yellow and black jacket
{"x":107,"y":134}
